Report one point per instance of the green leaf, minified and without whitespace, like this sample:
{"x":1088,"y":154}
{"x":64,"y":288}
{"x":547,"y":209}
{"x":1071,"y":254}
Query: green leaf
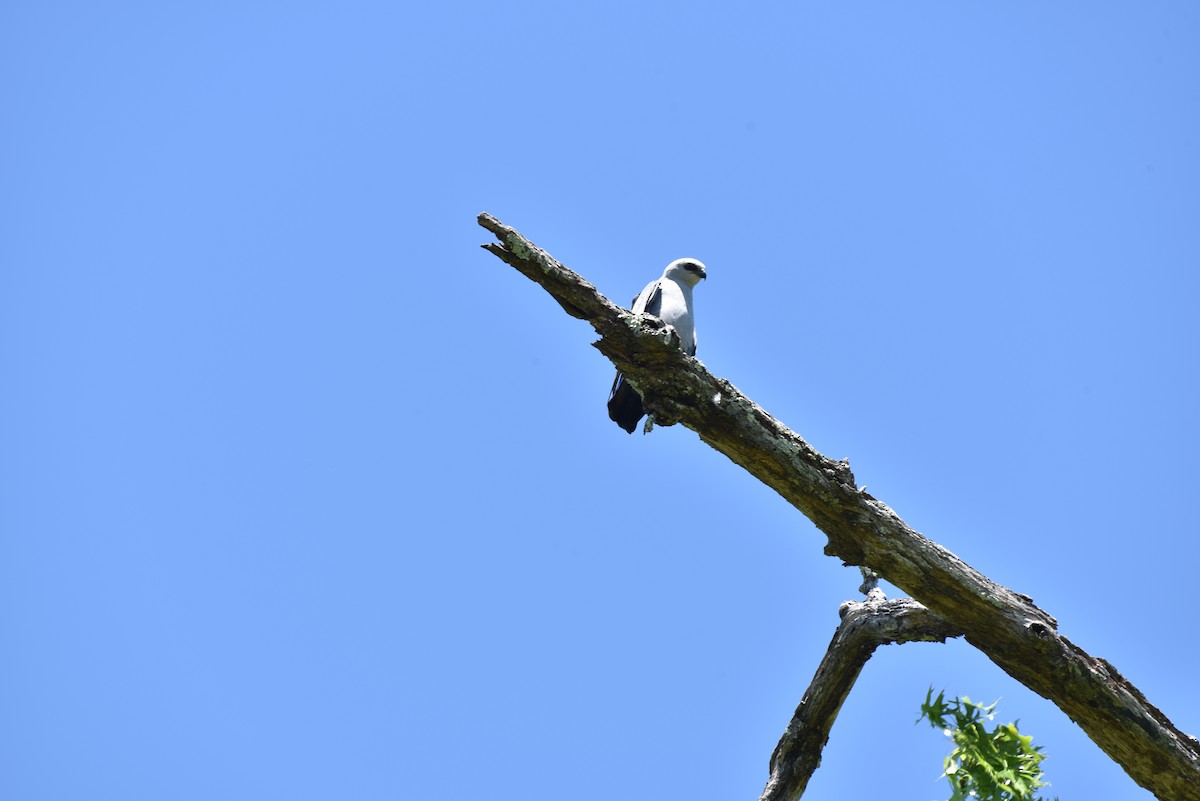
{"x":997,"y":765}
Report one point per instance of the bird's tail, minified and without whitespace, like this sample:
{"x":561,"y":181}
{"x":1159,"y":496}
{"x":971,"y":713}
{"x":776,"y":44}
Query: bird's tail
{"x":624,"y":405}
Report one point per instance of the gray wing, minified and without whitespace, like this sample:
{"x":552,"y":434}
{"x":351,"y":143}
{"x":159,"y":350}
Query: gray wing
{"x":624,"y":405}
{"x":649,"y":301}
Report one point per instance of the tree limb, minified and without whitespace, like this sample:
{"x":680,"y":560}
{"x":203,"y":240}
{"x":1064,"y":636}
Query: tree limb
{"x":864,"y":627}
{"x":1016,"y":635}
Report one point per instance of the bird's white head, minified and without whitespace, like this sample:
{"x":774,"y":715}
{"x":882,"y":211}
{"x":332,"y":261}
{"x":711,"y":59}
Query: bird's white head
{"x":686,"y":271}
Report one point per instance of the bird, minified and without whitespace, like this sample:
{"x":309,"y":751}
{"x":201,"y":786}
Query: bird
{"x":668,"y":298}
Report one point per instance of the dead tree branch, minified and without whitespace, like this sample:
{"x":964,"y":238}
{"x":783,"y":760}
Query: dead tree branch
{"x":864,"y":627}
{"x":1016,"y":635}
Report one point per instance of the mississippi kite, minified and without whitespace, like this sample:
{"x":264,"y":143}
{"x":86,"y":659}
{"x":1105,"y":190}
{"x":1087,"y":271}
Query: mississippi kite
{"x":669,"y":299}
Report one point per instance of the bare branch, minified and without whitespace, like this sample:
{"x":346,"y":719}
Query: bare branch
{"x":1016,"y":635}
{"x":864,"y":627}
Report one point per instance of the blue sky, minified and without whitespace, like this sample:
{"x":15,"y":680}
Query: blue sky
{"x":302,"y":495}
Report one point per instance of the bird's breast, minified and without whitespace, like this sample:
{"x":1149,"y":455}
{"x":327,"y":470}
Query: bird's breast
{"x":677,"y":311}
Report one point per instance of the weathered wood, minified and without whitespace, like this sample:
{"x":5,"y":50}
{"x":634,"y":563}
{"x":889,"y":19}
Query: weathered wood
{"x":1018,"y":636}
{"x":864,"y":627}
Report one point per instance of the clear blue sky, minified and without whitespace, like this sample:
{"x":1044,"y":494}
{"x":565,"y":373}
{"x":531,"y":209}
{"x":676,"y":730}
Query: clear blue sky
{"x":304,"y":496}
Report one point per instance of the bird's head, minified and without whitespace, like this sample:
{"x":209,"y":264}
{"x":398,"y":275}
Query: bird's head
{"x":687,"y":271}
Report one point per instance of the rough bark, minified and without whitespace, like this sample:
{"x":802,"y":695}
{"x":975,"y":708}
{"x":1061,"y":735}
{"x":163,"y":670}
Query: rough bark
{"x":1018,"y":636}
{"x":864,"y":627}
